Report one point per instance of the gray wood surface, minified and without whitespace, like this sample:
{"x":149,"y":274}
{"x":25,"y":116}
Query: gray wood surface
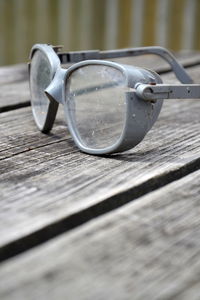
{"x":47,"y":178}
{"x":149,"y":249}
{"x":48,"y":187}
{"x":14,"y":87}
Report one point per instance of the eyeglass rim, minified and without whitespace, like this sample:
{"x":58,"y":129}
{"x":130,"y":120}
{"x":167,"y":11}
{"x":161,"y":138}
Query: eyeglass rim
{"x":127,"y":139}
{"x":52,"y":105}
{"x":120,"y":141}
{"x":124,"y":142}
{"x":56,"y":67}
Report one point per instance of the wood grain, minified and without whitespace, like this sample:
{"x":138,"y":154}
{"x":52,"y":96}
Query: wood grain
{"x":47,"y":186}
{"x":14,"y":87}
{"x":149,"y":249}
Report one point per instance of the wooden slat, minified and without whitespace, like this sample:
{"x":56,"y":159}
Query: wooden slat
{"x":175,"y":24}
{"x":13,"y":74}
{"x":162,"y":18}
{"x":47,"y":178}
{"x":136,"y":22}
{"x":197,"y":26}
{"x":124,"y":21}
{"x":111,"y":21}
{"x":150,"y":22}
{"x":188,"y":37}
{"x":14,"y":87}
{"x":149,"y":249}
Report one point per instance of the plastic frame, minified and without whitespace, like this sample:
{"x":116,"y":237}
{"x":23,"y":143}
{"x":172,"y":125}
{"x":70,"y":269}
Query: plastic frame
{"x":140,"y":114}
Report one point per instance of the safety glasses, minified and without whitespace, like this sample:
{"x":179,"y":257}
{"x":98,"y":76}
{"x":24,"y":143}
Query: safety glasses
{"x":109,"y":107}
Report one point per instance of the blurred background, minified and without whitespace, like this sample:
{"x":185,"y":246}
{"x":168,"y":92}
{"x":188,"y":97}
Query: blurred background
{"x":96,"y":24}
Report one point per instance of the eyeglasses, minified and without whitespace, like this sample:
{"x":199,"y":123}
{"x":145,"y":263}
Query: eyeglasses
{"x":109,"y":107}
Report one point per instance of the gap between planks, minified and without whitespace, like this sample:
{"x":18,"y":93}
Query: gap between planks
{"x":149,"y":249}
{"x":75,"y":220}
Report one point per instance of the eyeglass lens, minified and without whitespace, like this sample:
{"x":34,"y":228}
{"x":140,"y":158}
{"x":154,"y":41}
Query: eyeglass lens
{"x":40,"y":78}
{"x":96,"y":103}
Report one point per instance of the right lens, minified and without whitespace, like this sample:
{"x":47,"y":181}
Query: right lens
{"x":96,"y":103}
{"x":40,"y":77}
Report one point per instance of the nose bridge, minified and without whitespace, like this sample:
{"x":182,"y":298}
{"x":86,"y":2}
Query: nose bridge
{"x":55,"y":89}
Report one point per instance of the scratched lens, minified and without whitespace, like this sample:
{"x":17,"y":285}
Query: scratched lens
{"x":96,"y":103}
{"x":40,"y":78}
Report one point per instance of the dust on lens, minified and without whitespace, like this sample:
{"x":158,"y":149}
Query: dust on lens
{"x":96,"y":102}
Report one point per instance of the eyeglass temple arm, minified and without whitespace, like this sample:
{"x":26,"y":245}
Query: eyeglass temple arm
{"x":178,"y":69}
{"x":167,"y":91}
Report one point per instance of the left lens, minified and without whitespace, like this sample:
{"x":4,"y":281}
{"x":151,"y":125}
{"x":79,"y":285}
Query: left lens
{"x":96,"y":104}
{"x":40,"y":77}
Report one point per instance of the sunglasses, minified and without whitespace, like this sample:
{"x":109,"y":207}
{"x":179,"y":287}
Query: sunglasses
{"x":109,"y":107}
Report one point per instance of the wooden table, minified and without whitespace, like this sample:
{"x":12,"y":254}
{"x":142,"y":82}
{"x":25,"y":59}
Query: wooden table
{"x":76,"y":226}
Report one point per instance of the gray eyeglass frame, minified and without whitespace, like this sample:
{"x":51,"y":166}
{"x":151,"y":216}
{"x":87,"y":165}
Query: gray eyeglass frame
{"x":142,"y":107}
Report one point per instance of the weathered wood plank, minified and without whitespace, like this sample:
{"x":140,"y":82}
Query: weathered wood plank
{"x":14,"y":79}
{"x":149,"y":249}
{"x":12,"y":74}
{"x":14,"y":87}
{"x":47,"y":178}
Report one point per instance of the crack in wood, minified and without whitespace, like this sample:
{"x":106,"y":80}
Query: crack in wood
{"x":28,"y":149}
{"x":83,"y":216}
{"x":14,"y":106}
